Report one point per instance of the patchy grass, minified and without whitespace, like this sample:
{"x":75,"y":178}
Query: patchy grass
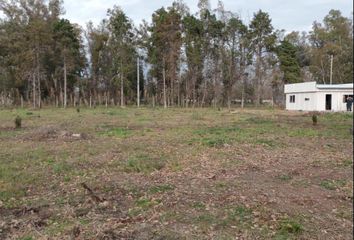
{"x":117,"y":132}
{"x":240,"y":214}
{"x":285,"y":177}
{"x":143,"y":163}
{"x":175,"y":174}
{"x":332,"y":184}
{"x":161,"y":188}
{"x":289,"y":229}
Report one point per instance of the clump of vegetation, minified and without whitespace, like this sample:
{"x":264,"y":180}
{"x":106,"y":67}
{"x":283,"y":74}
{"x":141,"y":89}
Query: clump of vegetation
{"x":240,"y":213}
{"x":161,"y":188}
{"x":144,"y":164}
{"x":332,"y":184}
{"x":18,"y":122}
{"x":314,"y":119}
{"x":198,"y":205}
{"x":78,"y":110}
{"x":117,"y":132}
{"x":285,"y":177}
{"x":289,"y":226}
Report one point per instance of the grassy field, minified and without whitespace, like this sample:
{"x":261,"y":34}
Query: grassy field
{"x":175,"y":174}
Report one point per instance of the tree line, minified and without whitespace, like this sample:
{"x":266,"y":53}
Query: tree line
{"x":209,"y":58}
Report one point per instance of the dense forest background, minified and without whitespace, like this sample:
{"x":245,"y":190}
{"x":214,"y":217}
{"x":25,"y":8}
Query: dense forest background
{"x":209,"y":58}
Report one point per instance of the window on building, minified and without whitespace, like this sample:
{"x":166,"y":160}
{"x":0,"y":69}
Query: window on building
{"x":345,"y":97}
{"x":292,"y":98}
{"x":307,"y":99}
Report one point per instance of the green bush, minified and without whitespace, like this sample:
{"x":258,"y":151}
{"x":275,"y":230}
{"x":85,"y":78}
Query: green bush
{"x":18,"y":122}
{"x":314,"y":119}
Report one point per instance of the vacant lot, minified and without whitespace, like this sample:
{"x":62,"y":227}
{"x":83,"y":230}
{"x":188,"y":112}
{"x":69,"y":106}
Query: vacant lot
{"x":175,"y":174}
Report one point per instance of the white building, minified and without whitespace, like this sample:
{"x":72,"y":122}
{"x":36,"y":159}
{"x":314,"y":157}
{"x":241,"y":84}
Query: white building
{"x":310,"y":96}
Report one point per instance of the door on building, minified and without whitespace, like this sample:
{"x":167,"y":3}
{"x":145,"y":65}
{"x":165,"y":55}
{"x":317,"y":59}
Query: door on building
{"x":329,"y":102}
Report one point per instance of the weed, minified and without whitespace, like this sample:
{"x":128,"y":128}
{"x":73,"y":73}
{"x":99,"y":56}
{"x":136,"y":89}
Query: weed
{"x":57,"y":226}
{"x":145,"y":203}
{"x":240,"y":213}
{"x":61,"y":168}
{"x":199,"y":205}
{"x":161,"y":188}
{"x":117,"y":132}
{"x":259,"y":121}
{"x":314,"y":119}
{"x":332,"y":184}
{"x":288,"y":228}
{"x":143,"y":163}
{"x":18,"y":122}
{"x":206,"y":218}
{"x":221,"y":185}
{"x":265,"y":142}
{"x":285,"y":177}
{"x":303,"y":132}
{"x":347,"y":163}
{"x":175,"y":166}
{"x":26,"y":238}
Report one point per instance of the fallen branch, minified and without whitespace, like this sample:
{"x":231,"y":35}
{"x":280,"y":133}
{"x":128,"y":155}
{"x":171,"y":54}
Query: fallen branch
{"x":94,"y":197}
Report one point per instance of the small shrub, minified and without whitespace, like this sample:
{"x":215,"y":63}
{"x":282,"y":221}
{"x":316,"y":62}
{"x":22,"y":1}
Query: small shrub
{"x":314,"y":119}
{"x":290,"y":226}
{"x":78,"y":110}
{"x":18,"y":122}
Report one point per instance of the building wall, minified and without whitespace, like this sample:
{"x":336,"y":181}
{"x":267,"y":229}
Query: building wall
{"x":300,"y":87}
{"x":337,"y":100}
{"x":317,"y":100}
{"x":303,"y":101}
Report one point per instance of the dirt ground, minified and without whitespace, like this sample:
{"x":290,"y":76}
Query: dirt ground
{"x":175,"y":174}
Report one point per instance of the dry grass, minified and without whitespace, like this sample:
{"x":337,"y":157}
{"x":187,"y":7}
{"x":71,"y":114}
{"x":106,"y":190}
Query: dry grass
{"x":175,"y":174}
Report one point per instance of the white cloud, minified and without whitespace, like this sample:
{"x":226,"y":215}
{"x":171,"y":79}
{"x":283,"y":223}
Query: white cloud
{"x":289,"y":15}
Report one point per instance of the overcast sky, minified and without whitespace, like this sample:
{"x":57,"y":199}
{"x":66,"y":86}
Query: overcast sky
{"x":286,"y":14}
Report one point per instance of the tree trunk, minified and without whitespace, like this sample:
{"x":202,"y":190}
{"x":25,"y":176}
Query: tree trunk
{"x":243,"y":90}
{"x":258,"y":78}
{"x":138,"y":85}
{"x":34,"y":90}
{"x":121,"y":90}
{"x":39,"y":89}
{"x":164,"y":85}
{"x":65,"y":82}
{"x":107,"y":99}
{"x":38,"y":78}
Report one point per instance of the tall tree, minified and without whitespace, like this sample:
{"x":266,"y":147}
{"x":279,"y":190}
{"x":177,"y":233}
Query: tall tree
{"x":236,"y":35}
{"x":121,"y":45}
{"x":263,"y":39}
{"x":68,"y":40}
{"x":289,"y":64}
{"x":164,"y":51}
{"x":332,"y":38}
